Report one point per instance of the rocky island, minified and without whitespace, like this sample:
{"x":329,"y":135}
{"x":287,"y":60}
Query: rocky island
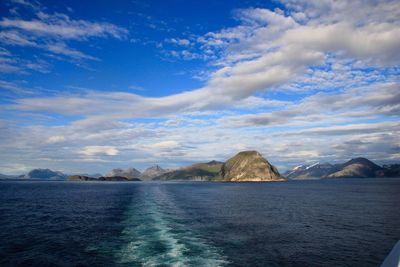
{"x":249,"y":166}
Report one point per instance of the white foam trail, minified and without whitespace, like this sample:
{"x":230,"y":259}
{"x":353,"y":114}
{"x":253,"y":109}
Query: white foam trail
{"x":159,"y":240}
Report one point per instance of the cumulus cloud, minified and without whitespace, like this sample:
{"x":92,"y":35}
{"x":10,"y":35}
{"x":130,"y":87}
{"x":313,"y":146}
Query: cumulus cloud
{"x":267,"y":50}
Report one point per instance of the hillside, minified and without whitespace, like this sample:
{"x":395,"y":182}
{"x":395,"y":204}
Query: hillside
{"x":130,"y":173}
{"x":357,"y":168}
{"x":197,"y":172}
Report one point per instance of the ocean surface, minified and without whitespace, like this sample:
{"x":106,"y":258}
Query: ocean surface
{"x":353,"y":222}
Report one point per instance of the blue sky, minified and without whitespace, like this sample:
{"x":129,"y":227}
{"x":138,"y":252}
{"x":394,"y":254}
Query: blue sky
{"x":90,"y":87}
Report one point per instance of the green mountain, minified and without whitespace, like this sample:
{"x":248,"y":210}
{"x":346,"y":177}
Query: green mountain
{"x":197,"y":172}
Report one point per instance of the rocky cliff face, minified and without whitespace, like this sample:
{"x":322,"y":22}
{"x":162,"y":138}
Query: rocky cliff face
{"x":152,"y":172}
{"x":249,"y":166}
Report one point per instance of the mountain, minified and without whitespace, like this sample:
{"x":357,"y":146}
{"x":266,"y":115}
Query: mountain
{"x":249,"y":166}
{"x":354,"y":168}
{"x":129,"y":173}
{"x":6,"y":176}
{"x":152,"y":172}
{"x":316,"y":170}
{"x":45,"y":174}
{"x":197,"y":172}
{"x":392,"y":170}
{"x":357,"y":168}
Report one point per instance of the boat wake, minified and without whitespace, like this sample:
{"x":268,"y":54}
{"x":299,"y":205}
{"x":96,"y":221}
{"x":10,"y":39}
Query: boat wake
{"x":155,"y":235}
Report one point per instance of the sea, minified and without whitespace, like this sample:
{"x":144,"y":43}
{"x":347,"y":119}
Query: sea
{"x":339,"y":222}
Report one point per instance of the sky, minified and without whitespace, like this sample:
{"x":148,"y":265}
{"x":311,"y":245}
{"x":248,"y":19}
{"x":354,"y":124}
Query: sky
{"x":87,"y":86}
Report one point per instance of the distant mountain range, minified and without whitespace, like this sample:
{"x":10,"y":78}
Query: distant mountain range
{"x":354,"y":168}
{"x":45,"y":174}
{"x":244,"y":166}
{"x":38,"y":174}
{"x":5,"y":176}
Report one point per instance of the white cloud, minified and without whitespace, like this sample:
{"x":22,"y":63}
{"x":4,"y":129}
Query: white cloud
{"x":136,"y":87}
{"x":13,"y":87}
{"x":16,"y":38}
{"x":55,"y":139}
{"x":163,"y":145}
{"x":352,"y":104}
{"x":61,"y":26}
{"x":178,"y":41}
{"x":51,"y":33}
{"x":30,"y":4}
{"x":99,"y":150}
{"x":63,"y":49}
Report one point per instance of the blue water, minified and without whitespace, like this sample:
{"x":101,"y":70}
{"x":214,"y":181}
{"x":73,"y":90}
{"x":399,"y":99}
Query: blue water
{"x":351,"y":222}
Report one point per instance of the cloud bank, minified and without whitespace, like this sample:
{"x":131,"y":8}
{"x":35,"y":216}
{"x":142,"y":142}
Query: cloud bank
{"x":315,"y":81}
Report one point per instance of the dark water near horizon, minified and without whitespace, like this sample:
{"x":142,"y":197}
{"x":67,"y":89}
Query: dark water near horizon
{"x":352,"y":222}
